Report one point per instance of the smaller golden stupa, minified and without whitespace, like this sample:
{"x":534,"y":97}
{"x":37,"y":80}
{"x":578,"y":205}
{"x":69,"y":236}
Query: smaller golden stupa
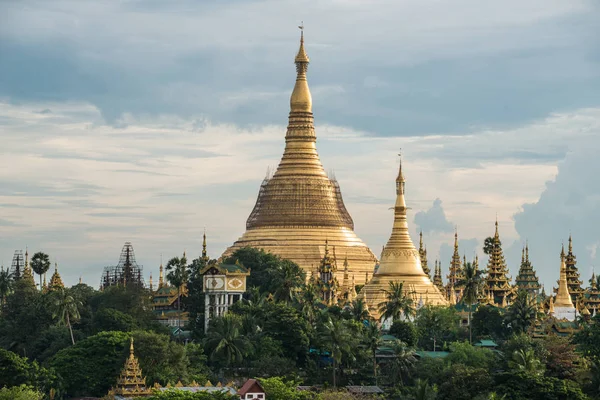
{"x":56,"y":281}
{"x":400,"y":262}
{"x":131,"y":383}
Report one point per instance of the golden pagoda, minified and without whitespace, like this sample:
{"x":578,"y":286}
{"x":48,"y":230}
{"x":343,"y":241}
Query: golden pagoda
{"x":455,"y":273}
{"x":400,"y":261}
{"x":592,"y":296}
{"x":563,"y":305}
{"x":56,"y":281}
{"x":299,"y":207}
{"x":573,"y":282}
{"x":27,"y":271}
{"x":131,"y":382}
{"x":327,"y":284}
{"x":497,"y":282}
{"x":527,"y":279}
{"x":437,"y":278}
{"x":423,"y":255}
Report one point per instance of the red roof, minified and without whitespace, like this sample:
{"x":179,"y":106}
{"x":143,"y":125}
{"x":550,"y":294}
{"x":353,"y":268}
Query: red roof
{"x":251,"y":386}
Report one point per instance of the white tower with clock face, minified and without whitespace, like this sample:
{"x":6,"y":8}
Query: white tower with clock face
{"x":223,"y":285}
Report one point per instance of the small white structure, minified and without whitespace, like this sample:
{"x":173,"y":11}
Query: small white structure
{"x":223,"y":285}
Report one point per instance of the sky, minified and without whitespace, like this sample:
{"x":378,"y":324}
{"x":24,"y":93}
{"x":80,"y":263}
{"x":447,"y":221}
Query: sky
{"x":152,"y":121}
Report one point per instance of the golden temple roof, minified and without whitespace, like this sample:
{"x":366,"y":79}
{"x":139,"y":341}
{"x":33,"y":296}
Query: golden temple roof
{"x":563,"y":298}
{"x":400,"y":261}
{"x":56,"y":281}
{"x":300,"y":206}
{"x":131,"y":382}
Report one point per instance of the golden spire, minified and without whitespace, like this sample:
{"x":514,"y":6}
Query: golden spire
{"x":161,"y":277}
{"x":151,"y":286}
{"x":570,"y":244}
{"x":551,"y":306}
{"x":526,"y":251}
{"x":204,"y":254}
{"x":44,"y":285}
{"x":452,"y":296}
{"x":301,"y":100}
{"x":523,"y":255}
{"x":352,"y":292}
{"x":56,"y":281}
{"x":131,"y":382}
{"x":563,"y":298}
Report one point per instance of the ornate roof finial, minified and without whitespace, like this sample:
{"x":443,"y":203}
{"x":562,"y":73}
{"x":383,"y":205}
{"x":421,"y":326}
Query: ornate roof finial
{"x":570,"y":244}
{"x":301,"y":100}
{"x":526,"y":251}
{"x":131,"y":348}
{"x":455,"y":238}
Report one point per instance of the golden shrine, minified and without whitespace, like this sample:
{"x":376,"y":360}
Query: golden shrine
{"x":56,"y":281}
{"x":497,"y":282}
{"x":131,"y":382}
{"x":455,"y":274}
{"x":300,"y":207}
{"x":400,"y":262}
{"x":423,"y":255}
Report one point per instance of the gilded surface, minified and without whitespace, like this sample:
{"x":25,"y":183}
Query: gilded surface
{"x":300,"y":207}
{"x":400,"y":262}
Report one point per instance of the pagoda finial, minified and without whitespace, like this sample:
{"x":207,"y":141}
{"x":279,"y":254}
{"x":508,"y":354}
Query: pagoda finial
{"x":526,"y":251}
{"x":421,"y":240}
{"x":523,"y":255}
{"x":496,"y":234}
{"x":204,"y":256}
{"x":161,"y":277}
{"x":562,"y":252}
{"x":456,"y":238}
{"x":131,"y":348}
{"x":301,"y":100}
{"x":570,"y":244}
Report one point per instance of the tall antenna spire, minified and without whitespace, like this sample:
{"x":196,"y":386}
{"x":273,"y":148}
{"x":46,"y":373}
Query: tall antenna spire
{"x":301,"y":100}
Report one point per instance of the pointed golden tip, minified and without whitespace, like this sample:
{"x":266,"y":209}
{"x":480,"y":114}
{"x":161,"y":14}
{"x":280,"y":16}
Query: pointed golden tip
{"x":302,"y":57}
{"x":131,"y":346}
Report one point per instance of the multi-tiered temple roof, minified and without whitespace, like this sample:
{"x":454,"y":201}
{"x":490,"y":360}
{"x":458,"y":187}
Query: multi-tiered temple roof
{"x":327,"y":284}
{"x":592,"y":296}
{"x":437,"y":278}
{"x":455,"y":274}
{"x":497,"y":281}
{"x":573,"y":281}
{"x":527,"y":279}
{"x":423,"y":255}
{"x":300,"y":206}
{"x":131,"y":383}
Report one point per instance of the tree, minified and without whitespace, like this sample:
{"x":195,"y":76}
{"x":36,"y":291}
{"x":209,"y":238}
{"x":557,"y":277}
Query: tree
{"x":488,"y":321}
{"x":561,"y":359}
{"x":307,"y":301}
{"x":359,"y":310}
{"x":476,"y":357}
{"x":522,"y":312}
{"x":588,"y":338}
{"x":109,"y":319}
{"x":16,"y":371}
{"x":405,"y":331}
{"x":423,"y":390}
{"x":397,"y":303}
{"x":436,"y":324}
{"x":402,"y":362}
{"x":287,"y":278}
{"x":65,"y":308}
{"x":224,"y":339}
{"x":372,"y":341}
{"x":489,"y":245}
{"x":177,"y":275}
{"x":6,"y":285}
{"x":40,"y":263}
{"x":22,"y":392}
{"x":338,"y":339}
{"x":464,"y":383}
{"x":175,"y":394}
{"x":471,"y":283}
{"x":276,"y":388}
{"x":526,"y":361}
{"x":520,"y":385}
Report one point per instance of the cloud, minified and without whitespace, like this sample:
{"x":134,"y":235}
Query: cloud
{"x":434,"y":219}
{"x":392,"y":69}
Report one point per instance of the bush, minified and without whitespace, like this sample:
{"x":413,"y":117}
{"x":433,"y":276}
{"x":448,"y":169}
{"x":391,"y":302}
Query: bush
{"x":405,"y":331}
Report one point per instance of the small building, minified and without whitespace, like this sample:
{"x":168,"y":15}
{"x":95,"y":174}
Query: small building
{"x":223,"y":285}
{"x":486,"y":344}
{"x":251,"y":390}
{"x":131,"y":383}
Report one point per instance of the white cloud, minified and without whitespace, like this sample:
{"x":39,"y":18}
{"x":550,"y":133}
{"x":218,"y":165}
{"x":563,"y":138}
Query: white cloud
{"x":78,"y":188}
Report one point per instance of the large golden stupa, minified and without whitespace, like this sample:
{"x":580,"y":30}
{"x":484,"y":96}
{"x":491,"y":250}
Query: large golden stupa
{"x":300,"y":207}
{"x":400,"y":262}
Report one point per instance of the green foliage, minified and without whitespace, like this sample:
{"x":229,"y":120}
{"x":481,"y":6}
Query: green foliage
{"x":405,"y":331}
{"x":16,"y":371}
{"x":51,"y":341}
{"x":436,"y":325}
{"x":278,"y":389}
{"x":109,"y":319}
{"x":174,"y":394}
{"x":561,"y":360}
{"x":397,"y":302}
{"x":337,"y":337}
{"x":470,"y":356}
{"x":22,"y":392}
{"x":40,"y":264}
{"x":588,"y":338}
{"x":522,"y":312}
{"x":526,"y":361}
{"x":464,"y":383}
{"x":488,"y":322}
{"x":520,"y":385}
{"x":225,"y":341}
{"x":6,"y":284}
{"x":132,"y":300}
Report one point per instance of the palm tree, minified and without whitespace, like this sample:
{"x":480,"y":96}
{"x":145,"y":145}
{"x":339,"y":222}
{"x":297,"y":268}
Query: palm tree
{"x":423,"y":390}
{"x":525,"y":360}
{"x":177,"y":276}
{"x":489,"y":245}
{"x":397,"y":302}
{"x":65,"y":308}
{"x":40,"y":263}
{"x":287,"y":281}
{"x":372,"y":342}
{"x":337,"y":338}
{"x":359,"y":310}
{"x":6,"y":283}
{"x":471,"y":284}
{"x":522,"y":312}
{"x":307,"y":299}
{"x":224,"y":339}
{"x":403,"y":361}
